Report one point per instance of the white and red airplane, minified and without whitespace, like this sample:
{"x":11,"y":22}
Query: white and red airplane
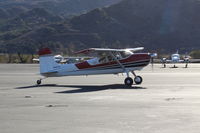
{"x":106,"y":61}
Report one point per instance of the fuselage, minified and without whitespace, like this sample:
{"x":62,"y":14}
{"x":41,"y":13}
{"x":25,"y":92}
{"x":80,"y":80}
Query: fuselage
{"x":133,"y":62}
{"x":175,"y":58}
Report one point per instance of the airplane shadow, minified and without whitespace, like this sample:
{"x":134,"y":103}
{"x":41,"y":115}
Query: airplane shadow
{"x":92,"y":88}
{"x":174,"y":67}
{"x":84,"y":88}
{"x":178,"y":67}
{"x":36,"y":86}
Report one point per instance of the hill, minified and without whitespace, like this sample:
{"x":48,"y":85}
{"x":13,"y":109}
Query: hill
{"x":63,"y":8}
{"x":155,"y":24}
{"x":164,"y":25}
{"x":23,"y":24}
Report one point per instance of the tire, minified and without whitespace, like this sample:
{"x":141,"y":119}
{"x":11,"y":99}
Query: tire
{"x":138,"y":80}
{"x":39,"y":82}
{"x":128,"y":81}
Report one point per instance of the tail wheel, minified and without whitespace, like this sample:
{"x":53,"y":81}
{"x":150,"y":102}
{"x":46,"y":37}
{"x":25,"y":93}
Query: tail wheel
{"x":128,"y":81}
{"x":39,"y":82}
{"x":138,"y":79}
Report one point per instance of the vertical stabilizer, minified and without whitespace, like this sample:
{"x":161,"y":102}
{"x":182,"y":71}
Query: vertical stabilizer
{"x":47,"y":62}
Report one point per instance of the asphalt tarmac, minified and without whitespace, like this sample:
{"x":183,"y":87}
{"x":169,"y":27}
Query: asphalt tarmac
{"x":168,"y":101}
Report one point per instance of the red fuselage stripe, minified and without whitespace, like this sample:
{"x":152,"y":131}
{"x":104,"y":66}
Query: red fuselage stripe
{"x":132,"y":58}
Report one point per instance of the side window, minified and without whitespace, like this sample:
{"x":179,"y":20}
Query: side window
{"x":106,"y":59}
{"x":110,"y":58}
{"x":103,"y":60}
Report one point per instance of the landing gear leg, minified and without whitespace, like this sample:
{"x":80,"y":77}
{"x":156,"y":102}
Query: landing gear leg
{"x":186,"y":65}
{"x":137,"y":79}
{"x":164,"y":65}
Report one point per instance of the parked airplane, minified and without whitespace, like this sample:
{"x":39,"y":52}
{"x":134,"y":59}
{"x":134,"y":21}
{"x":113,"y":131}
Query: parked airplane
{"x":176,"y":58}
{"x":107,"y":61}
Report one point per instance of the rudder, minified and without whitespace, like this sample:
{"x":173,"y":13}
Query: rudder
{"x":47,"y":62}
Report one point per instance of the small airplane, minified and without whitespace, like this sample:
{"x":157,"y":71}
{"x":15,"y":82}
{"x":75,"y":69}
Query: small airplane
{"x":176,"y":58}
{"x":106,"y":61}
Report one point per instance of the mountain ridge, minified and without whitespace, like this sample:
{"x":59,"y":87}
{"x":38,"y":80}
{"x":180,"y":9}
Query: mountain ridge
{"x":155,"y":24}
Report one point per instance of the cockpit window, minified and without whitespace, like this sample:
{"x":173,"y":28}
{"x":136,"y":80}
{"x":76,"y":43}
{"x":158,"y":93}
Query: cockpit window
{"x":125,"y":54}
{"x":107,"y":57}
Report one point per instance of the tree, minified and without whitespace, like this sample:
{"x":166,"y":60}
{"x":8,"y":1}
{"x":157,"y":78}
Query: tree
{"x":195,"y":54}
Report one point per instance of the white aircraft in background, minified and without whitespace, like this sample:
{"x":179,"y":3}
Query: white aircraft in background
{"x":176,"y":58}
{"x":107,"y":61}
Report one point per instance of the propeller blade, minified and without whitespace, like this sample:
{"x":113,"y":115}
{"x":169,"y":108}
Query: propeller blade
{"x":153,"y":55}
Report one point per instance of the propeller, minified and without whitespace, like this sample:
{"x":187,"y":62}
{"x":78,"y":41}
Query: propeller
{"x":164,"y":60}
{"x":153,"y":55}
{"x":186,"y":58}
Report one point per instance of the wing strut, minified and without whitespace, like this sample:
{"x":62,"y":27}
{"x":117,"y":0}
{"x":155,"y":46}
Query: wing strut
{"x":119,"y":63}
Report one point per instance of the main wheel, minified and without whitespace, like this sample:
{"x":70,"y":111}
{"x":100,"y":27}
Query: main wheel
{"x":128,"y":81}
{"x":39,"y":82}
{"x":138,"y":79}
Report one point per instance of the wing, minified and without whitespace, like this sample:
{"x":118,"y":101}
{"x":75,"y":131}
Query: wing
{"x":194,"y":60}
{"x":181,"y":61}
{"x":168,"y":61}
{"x":36,"y":59}
{"x":118,"y":50}
{"x":86,"y":51}
{"x":165,"y":60}
{"x":133,"y":49}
